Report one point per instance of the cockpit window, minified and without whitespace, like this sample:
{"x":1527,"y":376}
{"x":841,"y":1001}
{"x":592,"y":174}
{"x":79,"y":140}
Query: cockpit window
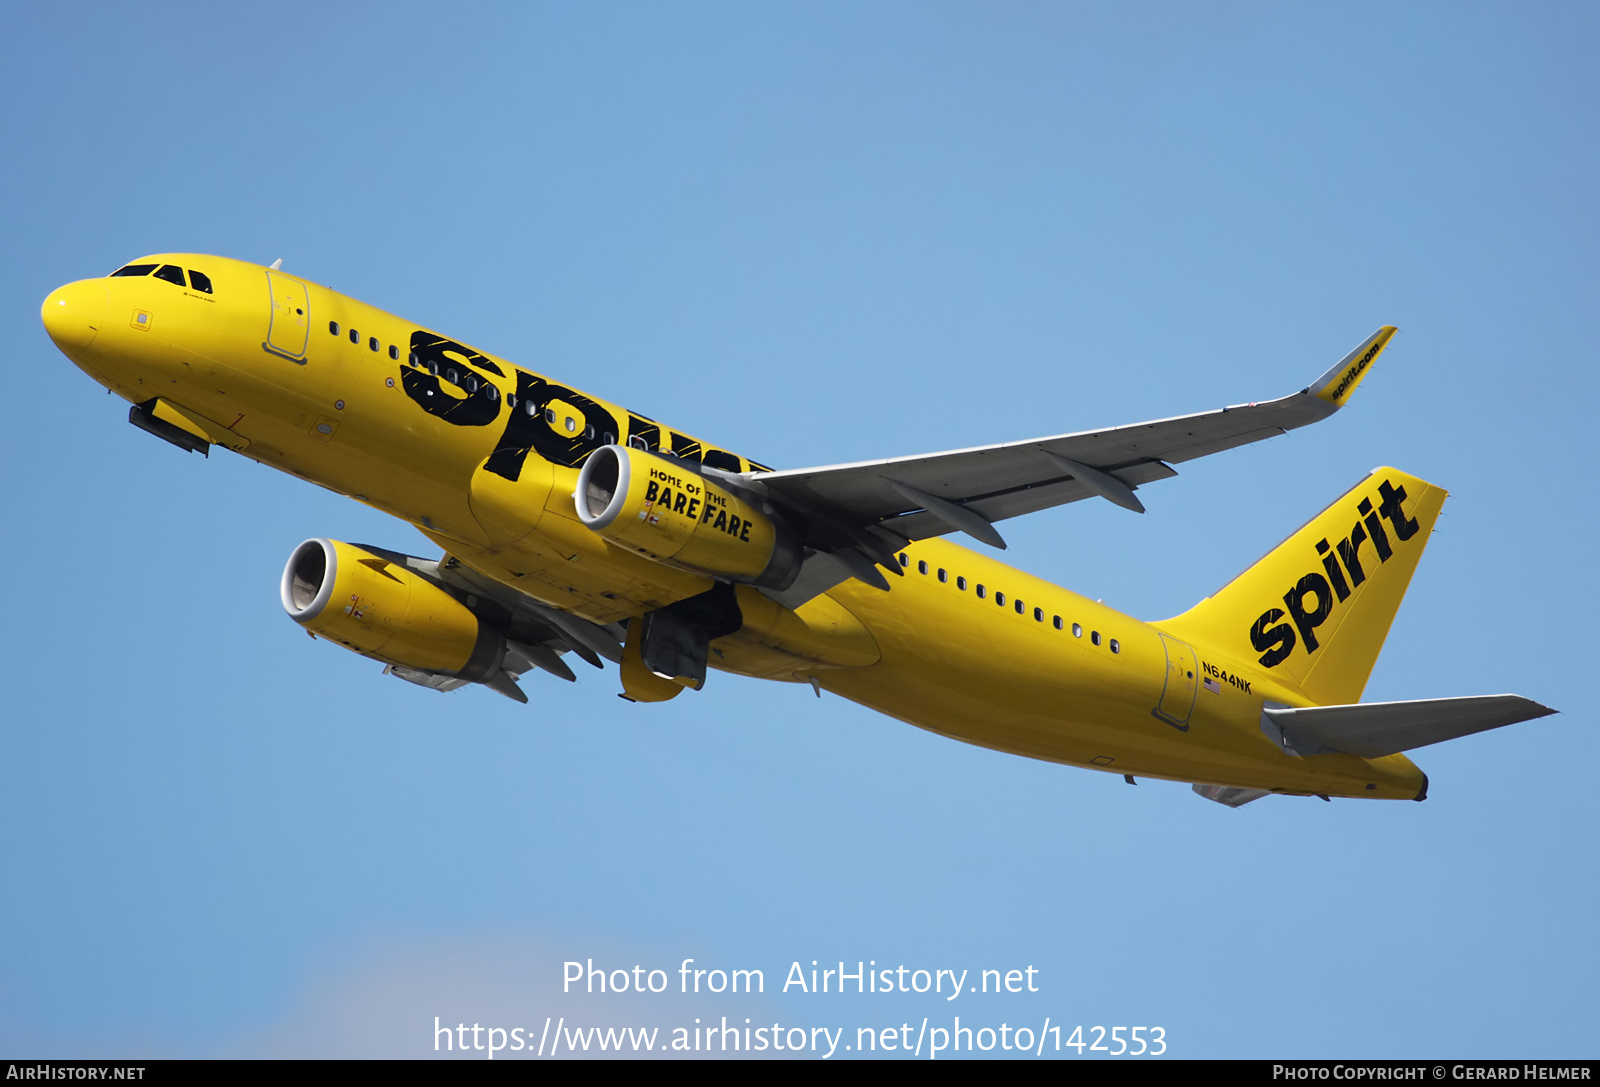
{"x":172,"y":274}
{"x":135,"y":270}
{"x":200,"y":281}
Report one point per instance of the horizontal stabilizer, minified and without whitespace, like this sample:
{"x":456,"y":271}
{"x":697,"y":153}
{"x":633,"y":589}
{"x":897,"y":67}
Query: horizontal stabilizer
{"x":1375,"y":729}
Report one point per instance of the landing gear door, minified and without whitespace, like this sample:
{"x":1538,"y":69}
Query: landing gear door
{"x":290,"y":325}
{"x":1183,"y":681}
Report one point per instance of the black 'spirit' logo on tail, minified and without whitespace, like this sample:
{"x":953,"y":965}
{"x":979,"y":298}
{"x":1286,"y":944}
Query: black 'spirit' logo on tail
{"x":1312,"y":599}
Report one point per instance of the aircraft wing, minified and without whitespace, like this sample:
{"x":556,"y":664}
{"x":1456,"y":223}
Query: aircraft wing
{"x":875,"y":507}
{"x":1013,"y":478}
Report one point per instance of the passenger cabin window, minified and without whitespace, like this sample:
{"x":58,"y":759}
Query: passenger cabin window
{"x":1094,"y":636}
{"x":333,"y":328}
{"x":1116,"y":646}
{"x":1058,"y":622}
{"x":355,"y":337}
{"x":1000,"y":598}
{"x":980,"y":590}
{"x":717,"y":458}
{"x":200,"y":281}
{"x":394,"y":352}
{"x":1077,"y":630}
{"x":134,"y":270}
{"x":922,"y":566}
{"x":942,"y":575}
{"x":372,"y":343}
{"x":172,"y":274}
{"x":961,"y":583}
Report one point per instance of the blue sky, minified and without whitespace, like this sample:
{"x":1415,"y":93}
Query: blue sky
{"x":813,"y":233}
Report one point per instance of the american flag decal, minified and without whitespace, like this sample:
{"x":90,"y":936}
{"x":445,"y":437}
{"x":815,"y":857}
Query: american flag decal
{"x":1213,"y":686}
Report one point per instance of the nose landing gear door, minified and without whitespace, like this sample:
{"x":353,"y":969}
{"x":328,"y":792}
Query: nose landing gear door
{"x":290,"y":325}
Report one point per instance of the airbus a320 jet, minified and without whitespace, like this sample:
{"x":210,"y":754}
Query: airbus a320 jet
{"x":572,"y":527}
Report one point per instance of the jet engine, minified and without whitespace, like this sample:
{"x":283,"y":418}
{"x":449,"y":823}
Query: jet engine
{"x":666,"y":509}
{"x":383,"y":610}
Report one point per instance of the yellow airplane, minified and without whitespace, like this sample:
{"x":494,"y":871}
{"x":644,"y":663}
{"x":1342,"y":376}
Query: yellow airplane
{"x":571,"y":525}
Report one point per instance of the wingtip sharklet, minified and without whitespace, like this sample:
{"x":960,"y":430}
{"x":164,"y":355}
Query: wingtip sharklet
{"x":1335,"y":386}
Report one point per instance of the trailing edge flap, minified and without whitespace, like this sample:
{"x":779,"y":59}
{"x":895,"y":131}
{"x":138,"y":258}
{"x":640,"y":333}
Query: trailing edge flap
{"x":991,"y":483}
{"x":1376,"y":729}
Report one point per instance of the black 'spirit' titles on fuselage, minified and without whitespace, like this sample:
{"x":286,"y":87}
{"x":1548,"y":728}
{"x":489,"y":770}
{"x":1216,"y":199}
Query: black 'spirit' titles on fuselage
{"x":1355,"y":371}
{"x":434,"y":359}
{"x":1275,"y":640}
{"x":527,"y":429}
{"x":474,"y":401}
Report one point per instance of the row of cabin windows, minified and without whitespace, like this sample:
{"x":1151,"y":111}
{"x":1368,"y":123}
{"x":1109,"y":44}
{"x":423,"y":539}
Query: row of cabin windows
{"x":1017,"y":605}
{"x":171,"y":273}
{"x":470,"y":383}
{"x":372,"y":341}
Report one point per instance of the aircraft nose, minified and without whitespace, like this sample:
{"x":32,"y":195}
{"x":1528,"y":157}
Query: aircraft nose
{"x":73,"y":315}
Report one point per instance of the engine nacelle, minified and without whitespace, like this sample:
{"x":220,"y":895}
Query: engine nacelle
{"x":661,"y":508}
{"x":383,"y":610}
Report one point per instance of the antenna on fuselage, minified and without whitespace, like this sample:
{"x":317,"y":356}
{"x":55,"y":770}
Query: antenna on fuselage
{"x":277,"y":265}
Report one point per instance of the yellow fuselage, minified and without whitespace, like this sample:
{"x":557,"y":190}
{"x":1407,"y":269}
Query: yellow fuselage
{"x":307,"y":380}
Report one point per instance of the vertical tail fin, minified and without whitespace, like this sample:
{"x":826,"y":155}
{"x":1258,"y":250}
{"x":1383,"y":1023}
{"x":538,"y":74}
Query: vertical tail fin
{"x":1316,"y":610}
